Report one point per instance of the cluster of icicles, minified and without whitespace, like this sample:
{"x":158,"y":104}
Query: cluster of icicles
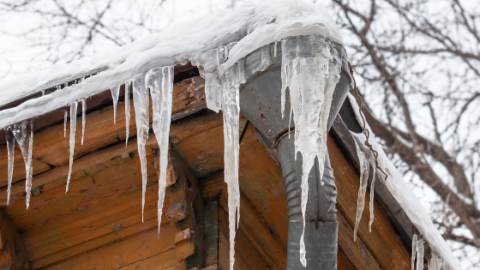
{"x":367,"y":163}
{"x":310,"y":73}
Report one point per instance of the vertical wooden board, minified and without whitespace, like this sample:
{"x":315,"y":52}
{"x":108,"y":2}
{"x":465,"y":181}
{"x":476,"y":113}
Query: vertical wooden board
{"x":164,"y":261}
{"x":383,"y":242}
{"x":133,"y":249}
{"x":211,"y":234}
{"x":262,"y":182}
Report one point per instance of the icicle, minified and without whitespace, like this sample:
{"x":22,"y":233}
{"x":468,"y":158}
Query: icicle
{"x":414,"y":250}
{"x":372,"y":193}
{"x":11,"y":155}
{"x":115,"y":93}
{"x":310,"y":70}
{"x":364,"y":171}
{"x":141,"y":103}
{"x":420,"y":253}
{"x":265,"y":59}
{"x":73,"y":129}
{"x":84,"y":116}
{"x":275,"y":50}
{"x":65,"y":123}
{"x":231,"y":110}
{"x":24,"y":136}
{"x":160,"y":82}
{"x":433,"y":262}
{"x":43,"y":92}
{"x":127,"y":110}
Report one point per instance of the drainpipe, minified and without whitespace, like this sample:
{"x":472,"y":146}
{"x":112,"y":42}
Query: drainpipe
{"x":260,"y":104}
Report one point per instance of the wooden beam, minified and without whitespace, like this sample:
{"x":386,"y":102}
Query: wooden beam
{"x":188,"y":214}
{"x":12,"y":252}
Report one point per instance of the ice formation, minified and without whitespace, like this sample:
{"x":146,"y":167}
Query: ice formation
{"x":310,"y":74}
{"x":128,"y":86}
{"x":73,"y":129}
{"x":65,"y":117}
{"x":115,"y":93}
{"x":23,"y":133}
{"x":11,"y":155}
{"x":414,"y":247}
{"x":310,"y":70}
{"x":141,"y":102}
{"x":84,"y":117}
{"x":160,"y":83}
{"x":222,"y":93}
{"x":420,"y":249}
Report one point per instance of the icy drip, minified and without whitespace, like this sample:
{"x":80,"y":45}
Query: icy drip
{"x":73,"y":129}
{"x":265,"y":59}
{"x":11,"y":155}
{"x":366,"y":161}
{"x":310,"y":70}
{"x":160,"y":83}
{"x":141,"y":102}
{"x":115,"y":93}
{"x":65,"y":116}
{"x":414,"y":248}
{"x":127,"y":110}
{"x":23,"y":133}
{"x":420,"y":253}
{"x":84,"y":117}
{"x":222,"y":93}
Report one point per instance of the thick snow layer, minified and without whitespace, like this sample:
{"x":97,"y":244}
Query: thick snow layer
{"x":405,"y":197}
{"x":252,"y":25}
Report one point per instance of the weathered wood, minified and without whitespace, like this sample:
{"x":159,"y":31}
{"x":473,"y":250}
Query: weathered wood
{"x":211,"y":234}
{"x":211,"y":186}
{"x":184,"y":244}
{"x":12,"y":253}
{"x":383,"y":242}
{"x":116,"y":255}
{"x":19,"y":166}
{"x":257,"y":232}
{"x":246,"y":257}
{"x":177,"y":211}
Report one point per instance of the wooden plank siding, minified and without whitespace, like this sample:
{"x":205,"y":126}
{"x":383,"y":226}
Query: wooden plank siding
{"x":97,"y":224}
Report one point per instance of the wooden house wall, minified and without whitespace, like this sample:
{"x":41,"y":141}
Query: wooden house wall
{"x":97,"y":224}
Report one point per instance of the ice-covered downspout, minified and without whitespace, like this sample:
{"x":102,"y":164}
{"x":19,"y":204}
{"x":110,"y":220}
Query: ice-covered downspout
{"x":303,"y":80}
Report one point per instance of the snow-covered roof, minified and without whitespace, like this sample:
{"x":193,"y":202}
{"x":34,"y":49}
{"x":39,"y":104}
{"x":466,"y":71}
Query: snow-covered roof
{"x":252,"y":26}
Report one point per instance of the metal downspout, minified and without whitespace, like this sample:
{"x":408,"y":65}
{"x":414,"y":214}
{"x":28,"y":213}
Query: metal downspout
{"x":260,"y":104}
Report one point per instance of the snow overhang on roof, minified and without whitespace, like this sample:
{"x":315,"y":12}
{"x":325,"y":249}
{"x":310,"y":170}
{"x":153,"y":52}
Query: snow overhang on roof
{"x":252,"y":26}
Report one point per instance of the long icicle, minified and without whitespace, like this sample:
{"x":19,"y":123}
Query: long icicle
{"x":128,"y":86}
{"x":310,"y":73}
{"x":115,"y":93}
{"x":73,"y":129}
{"x":414,"y":250}
{"x":24,"y":136}
{"x":160,"y":83}
{"x":65,"y":117}
{"x":364,"y":172}
{"x":420,"y":252}
{"x":84,"y":117}
{"x":11,"y":156}
{"x":372,"y":193}
{"x":141,"y":102}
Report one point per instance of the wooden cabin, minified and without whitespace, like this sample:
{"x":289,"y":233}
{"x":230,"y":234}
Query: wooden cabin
{"x":98,"y":224}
